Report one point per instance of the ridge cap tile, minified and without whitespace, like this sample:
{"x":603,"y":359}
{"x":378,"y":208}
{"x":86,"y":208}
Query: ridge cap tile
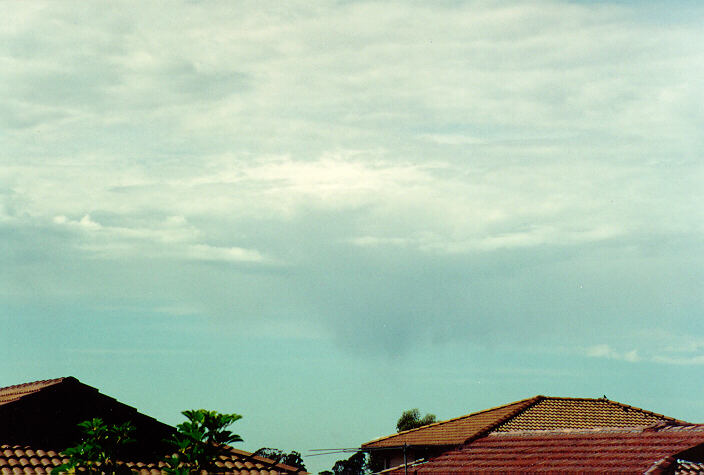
{"x":41,"y":383}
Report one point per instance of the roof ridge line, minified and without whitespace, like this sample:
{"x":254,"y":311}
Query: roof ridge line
{"x":264,"y":460}
{"x":19,"y":391}
{"x":620,"y":404}
{"x":576,"y":399}
{"x":658,"y":427}
{"x":645,"y":411}
{"x":46,"y":382}
{"x":528,"y":403}
{"x":451,"y":420}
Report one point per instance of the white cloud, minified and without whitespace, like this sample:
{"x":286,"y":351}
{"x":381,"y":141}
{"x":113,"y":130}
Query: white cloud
{"x":605,"y":351}
{"x":172,"y":238}
{"x":173,"y":229}
{"x":88,"y":223}
{"x":687,"y":351}
{"x":375,"y":241}
{"x":434,"y":206}
{"x":454,"y":139}
{"x":232,"y":254}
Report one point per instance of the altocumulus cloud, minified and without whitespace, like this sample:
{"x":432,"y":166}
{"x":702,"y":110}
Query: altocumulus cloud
{"x":377,"y":173}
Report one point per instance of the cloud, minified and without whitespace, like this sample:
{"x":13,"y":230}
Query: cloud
{"x":233,"y":254}
{"x":174,"y":237}
{"x":383,"y":174}
{"x":682,"y":360}
{"x":493,"y":71}
{"x":657,"y":344}
{"x":605,"y":351}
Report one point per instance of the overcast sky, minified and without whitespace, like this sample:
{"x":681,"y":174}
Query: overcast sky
{"x":319,"y":214}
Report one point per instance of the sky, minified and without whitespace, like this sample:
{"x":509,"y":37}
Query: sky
{"x":320,"y":214}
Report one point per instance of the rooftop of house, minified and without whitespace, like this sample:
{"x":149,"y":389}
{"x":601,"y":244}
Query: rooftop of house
{"x":536,"y":413}
{"x":30,"y":412}
{"x":45,"y":414}
{"x":660,"y":449}
{"x":25,"y":460}
{"x":13,"y":393}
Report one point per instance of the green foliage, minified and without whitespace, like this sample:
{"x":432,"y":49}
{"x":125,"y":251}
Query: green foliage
{"x":293,"y":458}
{"x":200,"y":440}
{"x":355,"y":465}
{"x":99,"y":448}
{"x":411,"y":419}
{"x":376,"y":462}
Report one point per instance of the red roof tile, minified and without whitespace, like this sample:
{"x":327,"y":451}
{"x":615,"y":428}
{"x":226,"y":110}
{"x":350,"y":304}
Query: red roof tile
{"x":689,"y":468}
{"x":581,"y":413}
{"x":453,"y":431}
{"x":24,"y":457}
{"x":28,"y":459}
{"x":13,"y":393}
{"x":636,"y":450}
{"x":537,"y":413}
{"x":17,"y":459}
{"x":46,"y":413}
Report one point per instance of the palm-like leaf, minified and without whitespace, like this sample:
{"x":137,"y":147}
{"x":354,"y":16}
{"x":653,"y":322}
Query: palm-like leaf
{"x":201,"y":439}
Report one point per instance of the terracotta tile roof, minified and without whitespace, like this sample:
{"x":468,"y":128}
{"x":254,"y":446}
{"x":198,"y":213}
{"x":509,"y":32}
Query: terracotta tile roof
{"x":581,"y":413}
{"x":46,"y":413}
{"x":16,"y":459}
{"x":636,"y":450}
{"x":13,"y":393}
{"x":537,"y":413}
{"x":238,"y":462}
{"x":452,"y":431}
{"x":25,"y":460}
{"x":34,"y":409}
{"x":689,"y":468}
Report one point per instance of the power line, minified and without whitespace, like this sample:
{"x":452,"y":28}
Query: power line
{"x":333,"y":451}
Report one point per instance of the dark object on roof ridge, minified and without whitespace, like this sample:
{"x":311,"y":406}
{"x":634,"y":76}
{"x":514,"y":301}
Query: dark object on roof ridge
{"x":625,"y":407}
{"x":536,"y":413}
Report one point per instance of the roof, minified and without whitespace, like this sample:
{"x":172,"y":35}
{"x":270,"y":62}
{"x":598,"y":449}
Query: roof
{"x":536,"y":413}
{"x":452,"y":431}
{"x":689,"y":468}
{"x":658,"y":449}
{"x":13,"y":393}
{"x":581,"y":413}
{"x":45,"y":414}
{"x":25,"y":460}
{"x":41,"y":412}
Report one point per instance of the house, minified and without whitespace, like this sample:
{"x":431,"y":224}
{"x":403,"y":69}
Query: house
{"x":39,"y":419}
{"x":536,"y":413}
{"x":45,"y":414}
{"x":659,"y":449}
